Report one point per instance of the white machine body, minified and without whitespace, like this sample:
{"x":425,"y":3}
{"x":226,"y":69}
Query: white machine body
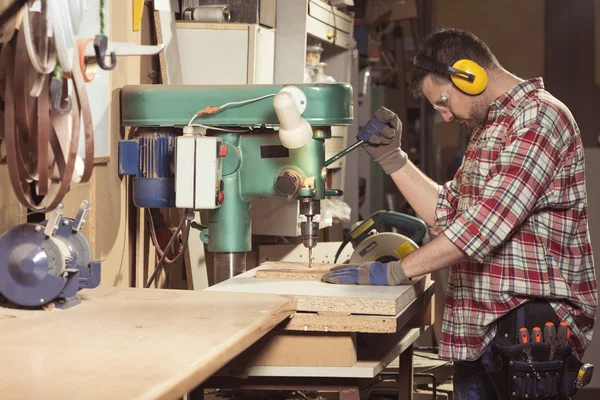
{"x":199,"y":172}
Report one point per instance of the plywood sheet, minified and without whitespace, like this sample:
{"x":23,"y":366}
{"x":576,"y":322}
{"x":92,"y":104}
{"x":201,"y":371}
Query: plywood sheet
{"x":293,"y":270}
{"x":317,"y":296}
{"x":130,"y":343}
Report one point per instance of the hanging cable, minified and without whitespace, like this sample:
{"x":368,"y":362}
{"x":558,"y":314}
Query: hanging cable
{"x":188,"y":216}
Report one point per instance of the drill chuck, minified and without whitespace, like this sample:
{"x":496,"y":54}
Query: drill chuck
{"x":309,"y":229}
{"x":310,"y":233}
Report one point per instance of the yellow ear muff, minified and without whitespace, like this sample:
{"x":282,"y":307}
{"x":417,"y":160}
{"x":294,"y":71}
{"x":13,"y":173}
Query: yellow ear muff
{"x":481,"y":79}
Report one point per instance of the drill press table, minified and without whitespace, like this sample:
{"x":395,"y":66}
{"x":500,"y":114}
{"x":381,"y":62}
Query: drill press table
{"x":130,"y":343}
{"x":340,"y":338}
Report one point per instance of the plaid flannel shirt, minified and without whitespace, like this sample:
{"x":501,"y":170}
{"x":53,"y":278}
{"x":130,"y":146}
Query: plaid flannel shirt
{"x":517,"y":207}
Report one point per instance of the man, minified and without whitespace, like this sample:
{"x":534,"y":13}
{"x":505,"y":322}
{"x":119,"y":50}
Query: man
{"x":512,"y":224}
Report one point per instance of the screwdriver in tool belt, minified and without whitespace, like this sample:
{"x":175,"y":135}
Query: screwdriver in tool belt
{"x":523,"y":336}
{"x":564,"y":332}
{"x":549,"y":330}
{"x":536,"y":335}
{"x":524,"y":339}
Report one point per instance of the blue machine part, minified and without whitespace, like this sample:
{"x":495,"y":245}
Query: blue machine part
{"x":36,"y":269}
{"x":150,"y":160}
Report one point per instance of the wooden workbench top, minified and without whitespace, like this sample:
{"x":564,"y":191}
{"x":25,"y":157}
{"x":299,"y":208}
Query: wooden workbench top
{"x":130,"y":343}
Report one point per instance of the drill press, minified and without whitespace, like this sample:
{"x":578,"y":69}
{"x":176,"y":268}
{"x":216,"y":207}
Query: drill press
{"x":217,"y":147}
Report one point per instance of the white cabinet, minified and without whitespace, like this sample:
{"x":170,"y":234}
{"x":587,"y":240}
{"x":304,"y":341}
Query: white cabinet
{"x":226,"y":54}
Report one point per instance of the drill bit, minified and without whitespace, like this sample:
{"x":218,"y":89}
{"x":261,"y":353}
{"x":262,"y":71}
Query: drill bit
{"x":310,"y":257}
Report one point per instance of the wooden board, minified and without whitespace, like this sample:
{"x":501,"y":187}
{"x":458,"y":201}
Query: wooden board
{"x":293,"y":270}
{"x":418,"y":313}
{"x":373,"y":357}
{"x":130,"y":343}
{"x":300,"y":349}
{"x":317,"y":296}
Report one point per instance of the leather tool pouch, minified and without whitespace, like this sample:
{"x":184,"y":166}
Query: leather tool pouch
{"x":514,"y":375}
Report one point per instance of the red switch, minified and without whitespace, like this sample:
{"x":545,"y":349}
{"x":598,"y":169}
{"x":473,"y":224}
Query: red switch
{"x":223,"y":150}
{"x":221,"y":197}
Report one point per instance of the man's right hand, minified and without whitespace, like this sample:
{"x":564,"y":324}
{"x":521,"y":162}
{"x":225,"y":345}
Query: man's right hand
{"x":382,"y":134}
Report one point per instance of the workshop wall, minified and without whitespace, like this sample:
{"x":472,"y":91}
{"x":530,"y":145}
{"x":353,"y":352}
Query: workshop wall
{"x":514,"y":30}
{"x":570,"y":62}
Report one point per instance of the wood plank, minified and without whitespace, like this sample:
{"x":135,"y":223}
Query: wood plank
{"x":166,"y":33}
{"x":293,"y":270}
{"x":289,"y":349}
{"x":131,"y":343}
{"x":317,"y":296}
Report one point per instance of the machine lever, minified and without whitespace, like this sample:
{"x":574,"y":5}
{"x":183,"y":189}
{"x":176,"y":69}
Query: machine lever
{"x":344,"y":152}
{"x":333,"y":192}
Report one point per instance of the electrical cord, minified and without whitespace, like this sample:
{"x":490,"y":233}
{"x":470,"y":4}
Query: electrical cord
{"x":181,"y":252}
{"x":154,"y":239}
{"x":213,"y":109}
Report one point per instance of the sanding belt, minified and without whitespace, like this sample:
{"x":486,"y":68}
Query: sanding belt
{"x":31,"y":126}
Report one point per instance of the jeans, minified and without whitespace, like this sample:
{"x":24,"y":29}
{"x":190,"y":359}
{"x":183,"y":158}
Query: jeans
{"x":471,"y":381}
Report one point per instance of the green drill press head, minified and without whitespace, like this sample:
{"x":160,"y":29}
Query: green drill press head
{"x":256,"y":165}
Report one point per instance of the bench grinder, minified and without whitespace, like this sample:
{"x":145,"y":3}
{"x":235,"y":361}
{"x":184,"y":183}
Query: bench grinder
{"x":217,"y":147}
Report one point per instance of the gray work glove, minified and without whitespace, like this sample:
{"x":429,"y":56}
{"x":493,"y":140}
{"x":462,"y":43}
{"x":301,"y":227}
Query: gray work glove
{"x":368,"y":273}
{"x":383,"y":134}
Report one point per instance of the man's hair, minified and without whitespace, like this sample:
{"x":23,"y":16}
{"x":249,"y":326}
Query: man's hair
{"x":448,"y":46}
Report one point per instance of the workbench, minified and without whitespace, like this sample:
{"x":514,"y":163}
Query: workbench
{"x":347,"y":335}
{"x":130,"y":343}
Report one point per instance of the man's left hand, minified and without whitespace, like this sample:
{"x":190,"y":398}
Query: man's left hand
{"x":369,"y":273}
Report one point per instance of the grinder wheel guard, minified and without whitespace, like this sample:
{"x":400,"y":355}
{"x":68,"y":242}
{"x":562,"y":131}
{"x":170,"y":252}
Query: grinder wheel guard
{"x":41,"y":143}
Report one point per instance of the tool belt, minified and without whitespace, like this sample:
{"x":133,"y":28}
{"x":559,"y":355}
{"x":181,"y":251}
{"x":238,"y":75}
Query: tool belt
{"x":530,"y":369}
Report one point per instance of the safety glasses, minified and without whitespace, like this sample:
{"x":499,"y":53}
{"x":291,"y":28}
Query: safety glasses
{"x":442,"y":103}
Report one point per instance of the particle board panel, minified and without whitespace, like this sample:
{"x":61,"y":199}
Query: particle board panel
{"x":293,"y":270}
{"x":317,"y":296}
{"x":131,"y":343}
{"x":420,"y":312}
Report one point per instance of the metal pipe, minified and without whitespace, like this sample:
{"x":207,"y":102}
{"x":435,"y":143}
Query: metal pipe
{"x":228,"y":265}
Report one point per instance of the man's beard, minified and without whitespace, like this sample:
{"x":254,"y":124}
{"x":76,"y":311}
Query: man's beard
{"x":478,"y":115}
